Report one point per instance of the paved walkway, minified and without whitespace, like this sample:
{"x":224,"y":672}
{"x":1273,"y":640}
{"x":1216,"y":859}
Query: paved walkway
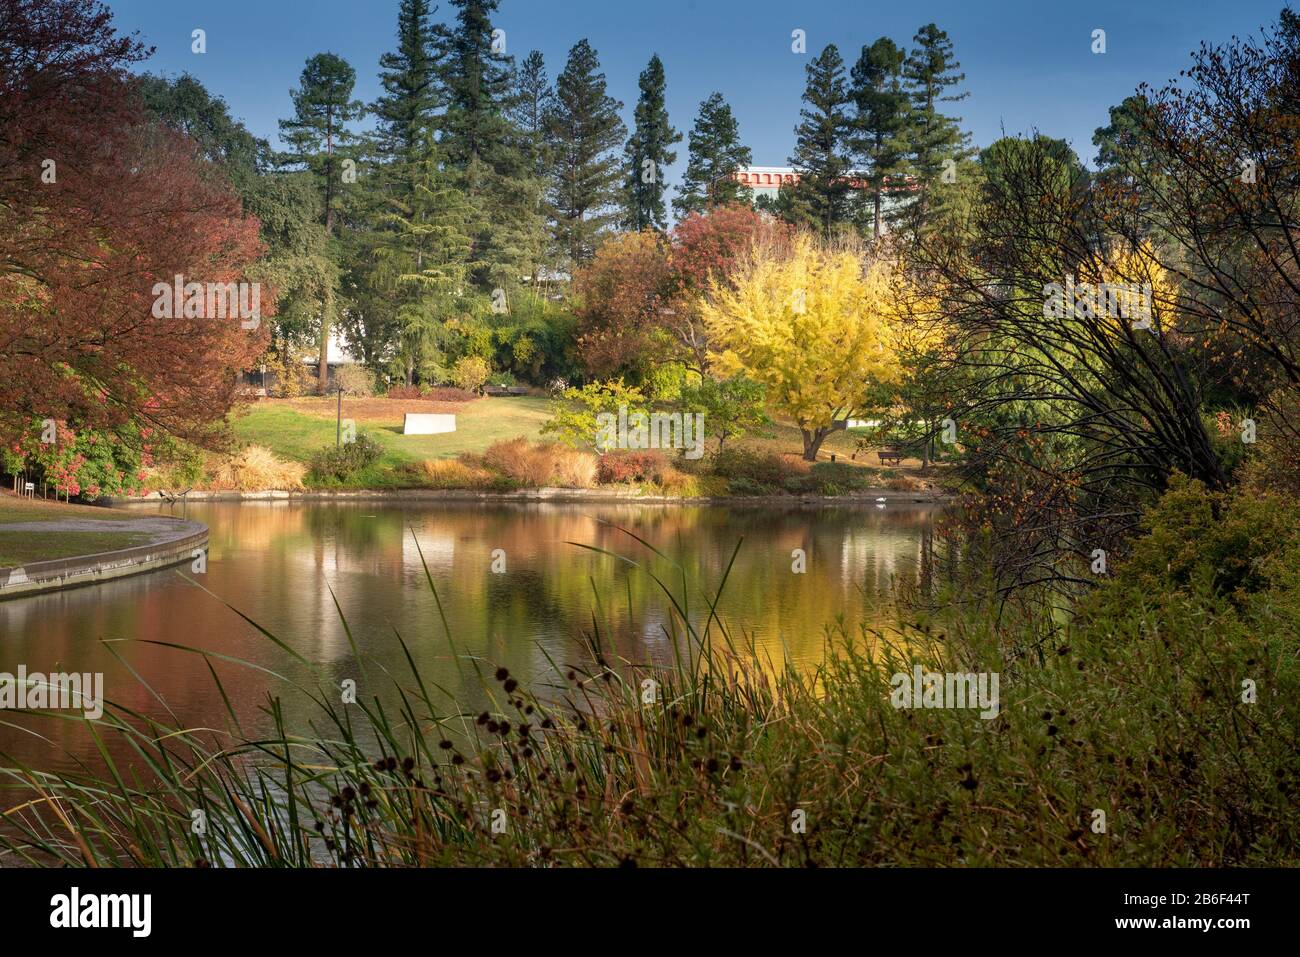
{"x":157,"y":529}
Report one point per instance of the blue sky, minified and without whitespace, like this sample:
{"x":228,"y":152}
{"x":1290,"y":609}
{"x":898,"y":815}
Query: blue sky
{"x":1028,"y":63}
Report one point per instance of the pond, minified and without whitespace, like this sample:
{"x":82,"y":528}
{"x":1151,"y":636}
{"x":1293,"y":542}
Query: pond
{"x":518,"y":588}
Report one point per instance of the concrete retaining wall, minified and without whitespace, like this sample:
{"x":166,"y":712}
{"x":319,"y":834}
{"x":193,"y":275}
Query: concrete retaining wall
{"x":103,"y":566}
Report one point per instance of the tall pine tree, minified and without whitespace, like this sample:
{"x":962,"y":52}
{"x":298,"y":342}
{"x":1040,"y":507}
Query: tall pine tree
{"x":487,"y":151}
{"x":822,"y":143}
{"x":533,"y":96}
{"x":424,"y":252}
{"x":410,"y":261}
{"x":935,"y":141}
{"x":408,"y":108}
{"x":649,"y":153}
{"x":714,"y":156}
{"x":879,"y":125}
{"x":319,"y":141}
{"x":583,"y":133}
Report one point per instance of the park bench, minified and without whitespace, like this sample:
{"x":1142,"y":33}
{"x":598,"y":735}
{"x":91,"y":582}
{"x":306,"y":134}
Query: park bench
{"x":889,"y":455}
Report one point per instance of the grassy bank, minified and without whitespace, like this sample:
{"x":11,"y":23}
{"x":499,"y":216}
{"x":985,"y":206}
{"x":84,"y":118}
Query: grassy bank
{"x":498,"y":445}
{"x":1126,"y":737}
{"x":31,"y":530}
{"x":296,"y":428}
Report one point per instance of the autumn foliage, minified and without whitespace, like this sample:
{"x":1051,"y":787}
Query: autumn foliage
{"x":641,"y":292}
{"x":817,"y":324}
{"x":97,"y":205}
{"x":706,"y":247}
{"x":623,"y":292}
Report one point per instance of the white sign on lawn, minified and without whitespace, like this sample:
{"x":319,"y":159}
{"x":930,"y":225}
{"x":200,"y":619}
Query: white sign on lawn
{"x":426,"y":423}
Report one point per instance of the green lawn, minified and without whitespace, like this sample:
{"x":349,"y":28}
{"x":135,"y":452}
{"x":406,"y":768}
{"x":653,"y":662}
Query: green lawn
{"x":297,"y":428}
{"x":294,"y":429}
{"x":22,"y":548}
{"x":16,"y":509}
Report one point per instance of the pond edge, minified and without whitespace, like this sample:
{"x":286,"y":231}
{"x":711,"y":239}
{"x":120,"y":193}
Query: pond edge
{"x":865,"y":498}
{"x":90,"y":569}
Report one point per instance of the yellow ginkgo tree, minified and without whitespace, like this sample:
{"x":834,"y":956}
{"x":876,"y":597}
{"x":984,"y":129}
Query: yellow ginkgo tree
{"x":818,"y":325}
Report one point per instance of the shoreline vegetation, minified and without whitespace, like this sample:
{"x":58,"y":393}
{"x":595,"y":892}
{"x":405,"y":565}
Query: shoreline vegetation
{"x":865,"y":497}
{"x":1155,"y":727}
{"x":501,"y":448}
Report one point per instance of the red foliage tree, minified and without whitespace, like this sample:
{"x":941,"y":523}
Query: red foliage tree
{"x":621,"y":294}
{"x":708,"y":245}
{"x":97,"y":205}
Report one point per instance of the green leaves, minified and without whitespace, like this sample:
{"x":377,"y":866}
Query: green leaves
{"x":716,"y":153}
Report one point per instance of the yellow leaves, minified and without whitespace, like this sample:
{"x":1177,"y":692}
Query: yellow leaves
{"x":818,"y":326}
{"x":1130,"y":290}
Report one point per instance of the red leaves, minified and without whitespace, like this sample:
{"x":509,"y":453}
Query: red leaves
{"x":125,"y":205}
{"x":622,"y":292}
{"x":706,"y":246}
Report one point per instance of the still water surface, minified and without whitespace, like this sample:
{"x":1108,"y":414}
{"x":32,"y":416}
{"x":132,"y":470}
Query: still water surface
{"x":278,"y":562}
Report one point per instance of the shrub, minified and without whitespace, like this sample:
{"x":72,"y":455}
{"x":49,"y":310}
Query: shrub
{"x":342,"y":462}
{"x":836,"y":478}
{"x":573,"y":414}
{"x":906,"y":483}
{"x":623,"y":467}
{"x":654,"y":468}
{"x":354,"y":379}
{"x":448,"y":393}
{"x":451,"y":474}
{"x":527,"y":464}
{"x":802,"y":484}
{"x":1231,"y":545}
{"x":543,"y":464}
{"x":710,"y":485}
{"x":287,"y":376}
{"x":757,"y":473}
{"x":253,"y":469}
{"x":431,"y":393}
{"x":574,"y":468}
{"x":747,"y":486}
{"x":89,"y":462}
{"x":470,"y":373}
